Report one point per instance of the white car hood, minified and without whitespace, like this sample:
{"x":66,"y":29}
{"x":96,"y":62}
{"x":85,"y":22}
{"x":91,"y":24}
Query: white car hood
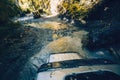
{"x":60,"y":74}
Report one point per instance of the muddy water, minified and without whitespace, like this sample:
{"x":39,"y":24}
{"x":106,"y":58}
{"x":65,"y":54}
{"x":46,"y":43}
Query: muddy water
{"x":62,"y":37}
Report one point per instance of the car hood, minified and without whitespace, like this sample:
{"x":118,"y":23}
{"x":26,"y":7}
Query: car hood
{"x":59,"y":74}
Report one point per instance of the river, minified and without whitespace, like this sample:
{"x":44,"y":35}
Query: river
{"x":39,"y":38}
{"x":60,"y":37}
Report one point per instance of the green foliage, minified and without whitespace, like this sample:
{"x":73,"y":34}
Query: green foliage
{"x":75,"y":9}
{"x":34,"y":5}
{"x":79,"y":8}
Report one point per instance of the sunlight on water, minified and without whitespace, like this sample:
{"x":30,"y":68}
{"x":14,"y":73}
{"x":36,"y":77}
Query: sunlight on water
{"x":54,"y":25}
{"x":49,"y":25}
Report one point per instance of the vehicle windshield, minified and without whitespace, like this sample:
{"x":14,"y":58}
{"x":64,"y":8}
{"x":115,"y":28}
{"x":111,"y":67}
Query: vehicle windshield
{"x":74,"y":63}
{"x":99,"y":75}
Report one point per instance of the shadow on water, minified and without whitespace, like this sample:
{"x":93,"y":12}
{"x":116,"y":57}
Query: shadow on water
{"x":18,"y":47}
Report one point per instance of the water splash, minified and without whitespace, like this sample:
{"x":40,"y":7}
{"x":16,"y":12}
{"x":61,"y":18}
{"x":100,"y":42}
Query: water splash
{"x":54,"y":6}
